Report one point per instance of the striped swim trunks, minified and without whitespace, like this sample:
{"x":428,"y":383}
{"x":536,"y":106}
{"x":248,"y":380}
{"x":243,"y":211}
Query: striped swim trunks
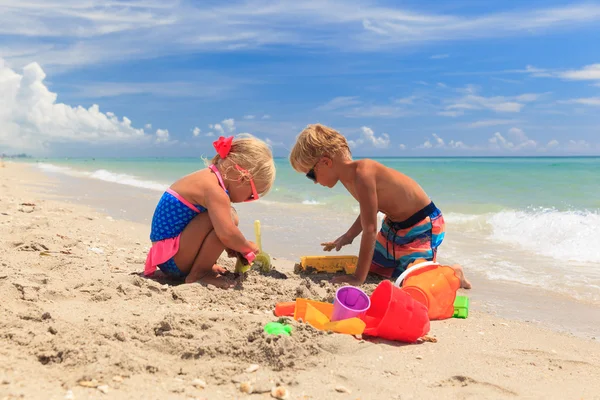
{"x":399,"y":244}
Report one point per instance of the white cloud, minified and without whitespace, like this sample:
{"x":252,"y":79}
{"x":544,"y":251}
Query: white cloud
{"x":196,"y":131}
{"x":552,"y":144}
{"x":519,"y":141}
{"x":426,"y":145}
{"x":266,"y":116}
{"x":217,"y":127}
{"x":209,"y":134}
{"x":442,"y":85}
{"x":402,"y":146}
{"x":229,"y":124}
{"x":499,"y":104}
{"x":382,"y":141}
{"x":249,"y":116}
{"x":78,"y":33}
{"x":439,"y":56}
{"x":339,"y":102}
{"x":498,"y":141}
{"x":379,"y":111}
{"x":406,"y":100}
{"x":578,"y":145}
{"x":439,"y":142}
{"x":452,"y":114}
{"x":457,"y":145}
{"x":162,"y":135}
{"x":222,"y":128}
{"x":32,"y":119}
{"x":491,"y":122}
{"x":589,"y":101}
{"x":587,"y":73}
{"x":148,"y":126}
{"x":368,"y":137}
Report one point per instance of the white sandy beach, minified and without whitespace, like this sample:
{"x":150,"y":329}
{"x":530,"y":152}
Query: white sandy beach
{"x":78,"y":321}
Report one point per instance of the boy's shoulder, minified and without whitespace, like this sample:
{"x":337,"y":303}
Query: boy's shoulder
{"x":366,"y":167}
{"x":367,"y":164}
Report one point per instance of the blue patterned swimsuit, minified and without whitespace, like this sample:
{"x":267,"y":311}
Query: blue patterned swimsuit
{"x":172,"y":214}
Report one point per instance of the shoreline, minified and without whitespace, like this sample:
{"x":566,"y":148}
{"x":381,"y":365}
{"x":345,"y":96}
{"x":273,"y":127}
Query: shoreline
{"x":78,"y":311}
{"x":509,"y":300}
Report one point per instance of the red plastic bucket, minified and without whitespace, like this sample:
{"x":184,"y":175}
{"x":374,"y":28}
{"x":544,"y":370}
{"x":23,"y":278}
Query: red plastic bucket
{"x":394,"y":315}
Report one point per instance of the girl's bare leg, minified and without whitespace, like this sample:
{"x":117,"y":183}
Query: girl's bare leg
{"x":203,"y":269}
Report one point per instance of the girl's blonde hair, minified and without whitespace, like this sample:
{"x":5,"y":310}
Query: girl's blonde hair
{"x":314,"y":142}
{"x":253,"y":155}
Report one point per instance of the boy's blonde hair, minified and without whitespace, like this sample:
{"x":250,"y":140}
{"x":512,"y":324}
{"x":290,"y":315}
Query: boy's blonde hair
{"x":314,"y":142}
{"x":253,"y":155}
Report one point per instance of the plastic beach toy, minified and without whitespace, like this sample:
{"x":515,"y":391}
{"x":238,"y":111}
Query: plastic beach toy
{"x":301,"y":306}
{"x":394,"y":315}
{"x":277,"y":328}
{"x":285,"y":309}
{"x":461,"y":307}
{"x":433,"y":285}
{"x":262,"y":260}
{"x":351,"y":326}
{"x":350,"y":302}
{"x":328,"y":264}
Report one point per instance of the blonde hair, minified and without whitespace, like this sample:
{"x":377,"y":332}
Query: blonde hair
{"x":253,"y":155}
{"x":314,"y":142}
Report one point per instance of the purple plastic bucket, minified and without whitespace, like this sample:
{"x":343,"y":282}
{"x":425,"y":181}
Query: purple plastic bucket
{"x":349,"y":302}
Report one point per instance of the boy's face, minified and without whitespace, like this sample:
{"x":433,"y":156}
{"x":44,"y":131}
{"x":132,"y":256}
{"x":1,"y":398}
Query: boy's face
{"x":323,"y":173}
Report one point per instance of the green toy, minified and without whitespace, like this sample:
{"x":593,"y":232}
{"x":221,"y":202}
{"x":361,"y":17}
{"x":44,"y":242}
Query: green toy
{"x":461,"y":307}
{"x":277,"y":328}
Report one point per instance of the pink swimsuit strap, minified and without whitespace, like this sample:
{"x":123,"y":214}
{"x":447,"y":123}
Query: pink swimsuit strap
{"x":181,"y":199}
{"x":214,"y":169}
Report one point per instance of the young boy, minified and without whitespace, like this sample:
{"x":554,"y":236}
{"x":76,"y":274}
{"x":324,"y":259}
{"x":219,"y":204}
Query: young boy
{"x":413,"y":228}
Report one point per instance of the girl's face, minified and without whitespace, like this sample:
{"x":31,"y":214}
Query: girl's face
{"x":242,"y":190}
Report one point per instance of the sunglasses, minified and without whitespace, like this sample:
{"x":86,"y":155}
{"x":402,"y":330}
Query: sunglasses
{"x":311,"y":173}
{"x":254,"y":195}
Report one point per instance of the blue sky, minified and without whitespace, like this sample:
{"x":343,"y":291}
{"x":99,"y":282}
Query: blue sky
{"x":163,"y":78}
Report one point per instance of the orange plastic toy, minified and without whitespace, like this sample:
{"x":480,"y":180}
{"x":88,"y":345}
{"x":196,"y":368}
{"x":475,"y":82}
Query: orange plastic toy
{"x":351,"y":326}
{"x":433,"y":285}
{"x":301,"y":308}
{"x":318,"y":314}
{"x":285,"y":309}
{"x":394,"y":315}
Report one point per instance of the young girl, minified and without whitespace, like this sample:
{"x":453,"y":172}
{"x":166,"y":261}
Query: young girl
{"x":194,"y":221}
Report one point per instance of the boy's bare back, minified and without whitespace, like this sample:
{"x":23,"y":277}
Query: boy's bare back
{"x":398,"y":195}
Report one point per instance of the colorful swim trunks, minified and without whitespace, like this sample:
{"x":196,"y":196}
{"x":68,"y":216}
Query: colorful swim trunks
{"x":401,"y":243}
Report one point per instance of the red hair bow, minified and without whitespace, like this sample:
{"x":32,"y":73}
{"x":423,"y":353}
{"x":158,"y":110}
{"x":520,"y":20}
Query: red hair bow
{"x":223,"y":146}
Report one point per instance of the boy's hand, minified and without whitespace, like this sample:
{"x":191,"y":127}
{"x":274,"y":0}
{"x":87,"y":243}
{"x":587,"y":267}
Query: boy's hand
{"x":337,"y":244}
{"x":349,"y":279}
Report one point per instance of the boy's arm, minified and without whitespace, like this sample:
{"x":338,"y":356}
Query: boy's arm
{"x":355,"y":229}
{"x":367,"y":197}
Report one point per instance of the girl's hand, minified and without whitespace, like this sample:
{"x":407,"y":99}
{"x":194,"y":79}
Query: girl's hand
{"x":230,"y":253}
{"x":254,"y":247}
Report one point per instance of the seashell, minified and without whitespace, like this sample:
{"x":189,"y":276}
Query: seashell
{"x":252,"y":368}
{"x":342,"y":389}
{"x":280,"y":393}
{"x":199,"y":383}
{"x":246,"y":387}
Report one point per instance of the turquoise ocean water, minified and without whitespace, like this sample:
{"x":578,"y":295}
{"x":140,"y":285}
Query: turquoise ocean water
{"x":534,"y":221}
